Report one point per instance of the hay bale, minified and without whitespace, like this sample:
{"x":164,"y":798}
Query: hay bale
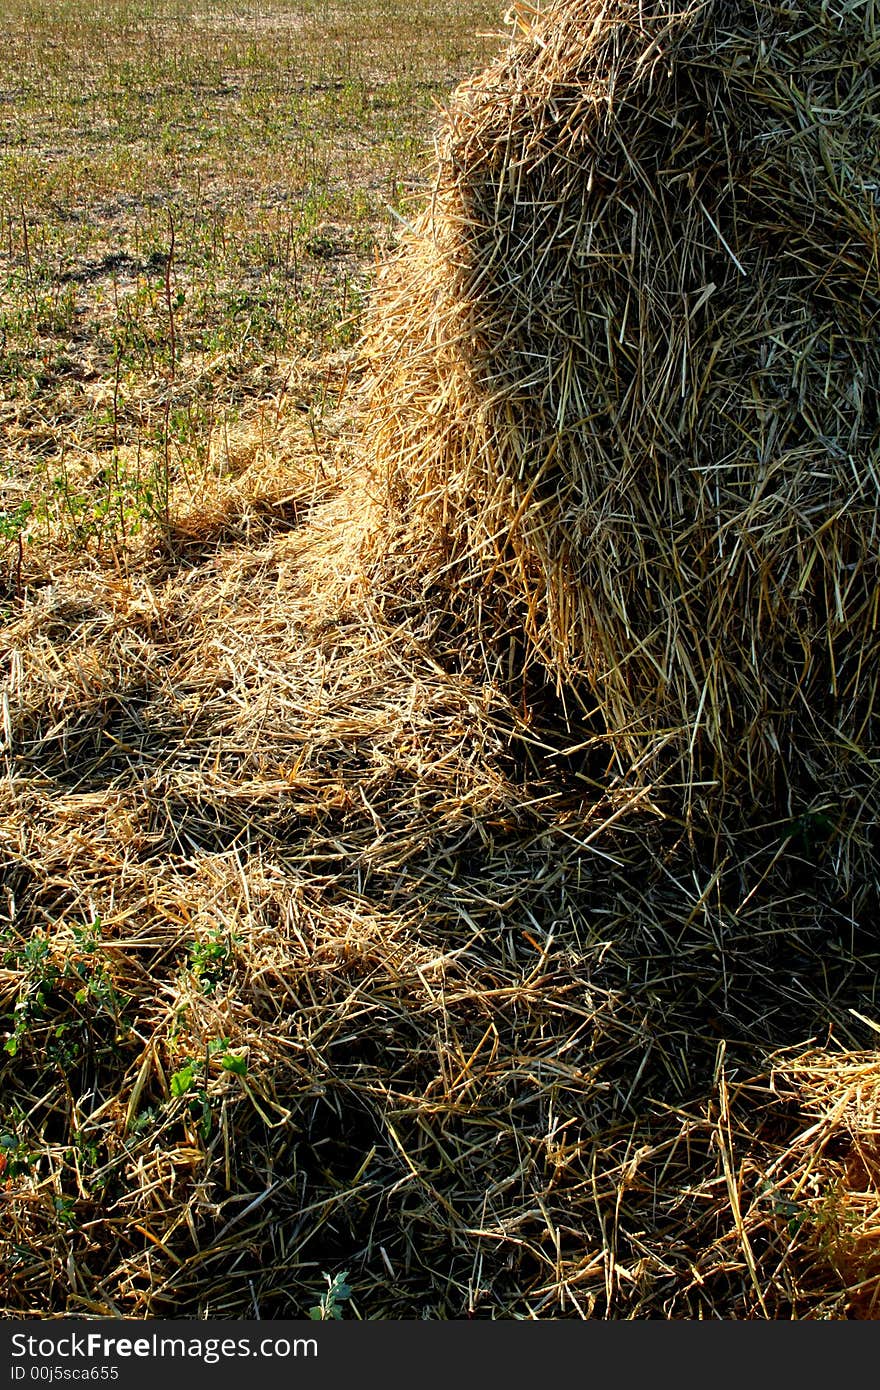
{"x":624,"y":384}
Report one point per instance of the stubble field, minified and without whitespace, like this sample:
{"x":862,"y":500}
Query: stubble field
{"x":329,"y":978}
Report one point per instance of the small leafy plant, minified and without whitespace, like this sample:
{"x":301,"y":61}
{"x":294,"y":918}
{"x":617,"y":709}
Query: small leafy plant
{"x":191,"y":1080}
{"x":210,"y":959}
{"x":64,"y":986}
{"x":329,"y":1308}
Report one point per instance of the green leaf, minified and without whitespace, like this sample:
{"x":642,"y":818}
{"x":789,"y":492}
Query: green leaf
{"x":235,"y":1062}
{"x":182,"y":1080}
{"x":339,"y":1288}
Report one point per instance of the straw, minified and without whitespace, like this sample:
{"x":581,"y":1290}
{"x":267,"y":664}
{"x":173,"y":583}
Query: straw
{"x":462,"y":876}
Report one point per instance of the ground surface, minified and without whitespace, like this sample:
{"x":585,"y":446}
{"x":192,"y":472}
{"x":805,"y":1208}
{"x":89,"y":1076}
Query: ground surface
{"x":317,"y":955}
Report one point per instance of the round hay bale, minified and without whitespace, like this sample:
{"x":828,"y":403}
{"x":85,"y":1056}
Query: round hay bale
{"x":624,"y":383}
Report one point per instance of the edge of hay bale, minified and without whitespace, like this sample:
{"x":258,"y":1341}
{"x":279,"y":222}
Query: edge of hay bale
{"x":623,"y":388}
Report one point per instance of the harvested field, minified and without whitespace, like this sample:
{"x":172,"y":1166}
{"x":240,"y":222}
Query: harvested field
{"x":334,"y":943}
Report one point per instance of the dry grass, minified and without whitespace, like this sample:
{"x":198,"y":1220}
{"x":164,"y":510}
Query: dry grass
{"x":326,"y":948}
{"x":317,"y":958}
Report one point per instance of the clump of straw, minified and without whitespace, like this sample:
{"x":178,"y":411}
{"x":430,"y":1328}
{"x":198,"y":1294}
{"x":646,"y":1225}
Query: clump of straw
{"x":318,"y":954}
{"x":624,"y":386}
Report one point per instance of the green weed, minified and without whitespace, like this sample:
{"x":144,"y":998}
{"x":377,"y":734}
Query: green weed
{"x":210,"y":959}
{"x":66,"y":1001}
{"x":190,"y":1082}
{"x":330,"y":1308}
